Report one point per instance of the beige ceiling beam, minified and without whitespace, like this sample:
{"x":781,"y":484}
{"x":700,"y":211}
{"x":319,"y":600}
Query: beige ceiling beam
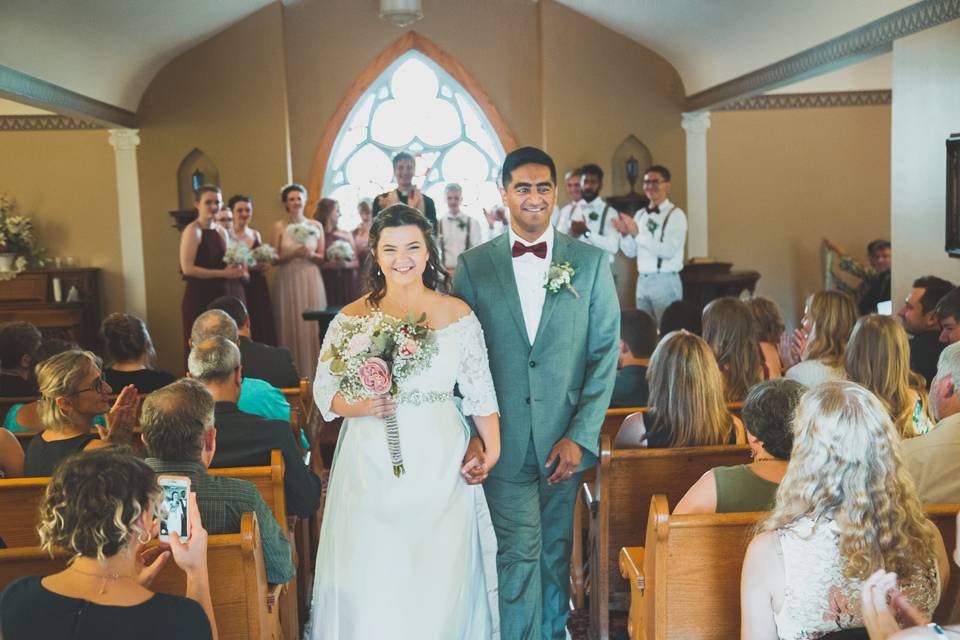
{"x":35,"y":92}
{"x":864,"y":42}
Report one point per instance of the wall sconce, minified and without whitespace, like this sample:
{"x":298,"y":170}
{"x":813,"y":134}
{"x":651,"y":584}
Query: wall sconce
{"x":401,"y":13}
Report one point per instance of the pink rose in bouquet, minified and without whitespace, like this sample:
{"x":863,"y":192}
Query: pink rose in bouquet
{"x":409,"y":348}
{"x":374,"y":375}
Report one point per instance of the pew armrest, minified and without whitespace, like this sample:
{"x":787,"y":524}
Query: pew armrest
{"x":589,"y":500}
{"x":631,"y":568}
{"x":273,"y":596}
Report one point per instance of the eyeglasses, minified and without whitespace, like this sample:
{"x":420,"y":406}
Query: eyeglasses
{"x":96,"y":386}
{"x":654,"y":182}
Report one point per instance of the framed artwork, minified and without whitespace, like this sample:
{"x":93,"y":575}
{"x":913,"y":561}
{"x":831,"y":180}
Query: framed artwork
{"x":953,"y":196}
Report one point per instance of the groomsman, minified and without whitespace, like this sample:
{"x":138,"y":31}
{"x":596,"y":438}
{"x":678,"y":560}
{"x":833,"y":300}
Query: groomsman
{"x":553,"y":347}
{"x":655,"y":236}
{"x":572,"y":182}
{"x":457,"y":231}
{"x":591,"y":219}
{"x":406,"y":192}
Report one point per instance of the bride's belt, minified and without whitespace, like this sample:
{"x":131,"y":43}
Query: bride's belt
{"x":423,"y":397}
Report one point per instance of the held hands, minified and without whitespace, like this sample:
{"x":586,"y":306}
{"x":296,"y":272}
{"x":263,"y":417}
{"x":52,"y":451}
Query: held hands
{"x":879,"y":617}
{"x":477,"y":462}
{"x":121,"y":418}
{"x":568,"y":455}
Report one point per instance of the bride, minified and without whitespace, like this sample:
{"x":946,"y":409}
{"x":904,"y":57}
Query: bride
{"x":412,"y":556}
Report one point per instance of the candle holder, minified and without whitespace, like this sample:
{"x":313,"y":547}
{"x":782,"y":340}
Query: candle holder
{"x":633,"y":172}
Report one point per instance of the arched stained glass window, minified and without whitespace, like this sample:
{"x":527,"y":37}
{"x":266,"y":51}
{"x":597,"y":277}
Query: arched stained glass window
{"x":417,"y":107}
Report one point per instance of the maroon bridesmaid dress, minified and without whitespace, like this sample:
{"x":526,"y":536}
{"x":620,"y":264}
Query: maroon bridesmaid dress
{"x":262,"y":326}
{"x":202,"y":291}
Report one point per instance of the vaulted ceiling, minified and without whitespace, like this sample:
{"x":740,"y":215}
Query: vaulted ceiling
{"x":110,"y":50}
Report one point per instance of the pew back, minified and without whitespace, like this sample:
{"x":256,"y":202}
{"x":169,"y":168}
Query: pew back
{"x":268,"y":480}
{"x":20,"y":510}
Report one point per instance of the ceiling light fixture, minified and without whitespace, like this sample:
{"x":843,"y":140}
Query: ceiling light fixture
{"x":401,"y":13}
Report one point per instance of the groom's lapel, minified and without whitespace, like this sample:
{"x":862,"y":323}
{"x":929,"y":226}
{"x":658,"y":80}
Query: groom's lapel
{"x":503,"y":266}
{"x":560,"y":244}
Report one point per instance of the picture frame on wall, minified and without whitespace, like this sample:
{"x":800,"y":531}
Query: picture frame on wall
{"x":953,"y":196}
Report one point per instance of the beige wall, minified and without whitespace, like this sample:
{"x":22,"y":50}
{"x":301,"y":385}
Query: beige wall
{"x":65,"y":181}
{"x":226,"y":97}
{"x":926,"y":110}
{"x":781,"y":180}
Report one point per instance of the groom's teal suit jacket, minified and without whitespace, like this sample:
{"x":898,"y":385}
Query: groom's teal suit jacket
{"x":560,"y":385}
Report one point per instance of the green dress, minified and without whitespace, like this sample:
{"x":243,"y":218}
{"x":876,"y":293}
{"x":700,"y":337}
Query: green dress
{"x":739,"y":489}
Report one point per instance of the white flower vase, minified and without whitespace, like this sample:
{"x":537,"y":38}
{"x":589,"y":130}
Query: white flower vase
{"x":7,"y":261}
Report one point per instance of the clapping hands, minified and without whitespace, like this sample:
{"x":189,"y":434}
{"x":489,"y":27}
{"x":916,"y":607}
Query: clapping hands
{"x":122,"y":417}
{"x":625,"y":224}
{"x":791,"y":347}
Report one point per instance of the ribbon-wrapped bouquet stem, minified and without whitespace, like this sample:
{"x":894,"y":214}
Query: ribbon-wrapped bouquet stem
{"x":372,"y":355}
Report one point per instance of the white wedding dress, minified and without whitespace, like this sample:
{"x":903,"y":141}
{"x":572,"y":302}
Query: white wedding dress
{"x":412,"y":557}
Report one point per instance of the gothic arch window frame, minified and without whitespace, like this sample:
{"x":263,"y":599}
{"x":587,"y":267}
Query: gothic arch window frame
{"x":415,"y":41}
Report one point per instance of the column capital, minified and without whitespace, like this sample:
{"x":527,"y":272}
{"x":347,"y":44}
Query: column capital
{"x":124,"y":138}
{"x":695,"y":121}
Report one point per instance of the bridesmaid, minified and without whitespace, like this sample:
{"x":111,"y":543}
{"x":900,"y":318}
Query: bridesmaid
{"x":361,"y":235}
{"x":202,"y":246}
{"x":339,"y":276}
{"x":262,"y":323}
{"x":299,"y":286}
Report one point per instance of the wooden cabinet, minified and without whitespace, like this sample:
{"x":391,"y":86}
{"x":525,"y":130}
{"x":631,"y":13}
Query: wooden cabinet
{"x":30,"y":297}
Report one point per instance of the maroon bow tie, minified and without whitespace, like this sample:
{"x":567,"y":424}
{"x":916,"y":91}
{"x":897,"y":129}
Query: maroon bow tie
{"x":653,"y":209}
{"x":539,"y":249}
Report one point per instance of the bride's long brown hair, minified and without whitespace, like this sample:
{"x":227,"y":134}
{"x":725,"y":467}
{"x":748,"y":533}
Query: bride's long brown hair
{"x":435,"y":277}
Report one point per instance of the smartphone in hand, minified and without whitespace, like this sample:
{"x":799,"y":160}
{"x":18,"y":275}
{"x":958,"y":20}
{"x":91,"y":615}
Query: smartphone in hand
{"x":174,"y":512}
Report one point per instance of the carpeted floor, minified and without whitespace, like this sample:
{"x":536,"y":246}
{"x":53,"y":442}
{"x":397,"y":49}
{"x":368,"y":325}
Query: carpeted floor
{"x":579,"y":625}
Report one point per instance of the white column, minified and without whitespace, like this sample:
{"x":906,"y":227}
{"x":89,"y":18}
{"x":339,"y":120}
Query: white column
{"x":124,"y":143}
{"x":696,"y":124}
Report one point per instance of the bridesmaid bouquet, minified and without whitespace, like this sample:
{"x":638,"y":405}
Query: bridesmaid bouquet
{"x":372,"y":355}
{"x":238,"y":253}
{"x":265,"y":253}
{"x":340,"y":250}
{"x":302,"y":232}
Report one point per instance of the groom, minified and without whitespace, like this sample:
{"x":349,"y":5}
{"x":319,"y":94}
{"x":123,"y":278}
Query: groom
{"x":553,"y":355}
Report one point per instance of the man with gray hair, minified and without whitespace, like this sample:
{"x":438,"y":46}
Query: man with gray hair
{"x":180,"y":438}
{"x":247,"y":439}
{"x":257,"y":396}
{"x":932,"y":457}
{"x":458,"y":231}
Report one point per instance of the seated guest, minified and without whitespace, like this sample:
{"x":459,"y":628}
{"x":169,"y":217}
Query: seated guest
{"x":18,"y":341}
{"x":816,"y":350}
{"x":728,"y":329}
{"x":768,"y":323}
{"x":878,"y":357}
{"x":948,"y":315}
{"x":270,"y":364}
{"x":931,"y":458}
{"x":686,"y":399}
{"x":768,"y":419}
{"x":638,"y":338}
{"x":919,"y":318}
{"x":25,"y":416}
{"x":257,"y":396}
{"x":72,"y":393}
{"x":244,"y":439}
{"x":102,"y":507}
{"x":844,"y":509}
{"x":178,"y":432}
{"x":11,"y":456}
{"x":682,"y":314}
{"x":130,"y":354}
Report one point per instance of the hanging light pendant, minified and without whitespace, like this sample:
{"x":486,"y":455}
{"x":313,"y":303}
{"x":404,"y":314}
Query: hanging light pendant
{"x":401,"y":13}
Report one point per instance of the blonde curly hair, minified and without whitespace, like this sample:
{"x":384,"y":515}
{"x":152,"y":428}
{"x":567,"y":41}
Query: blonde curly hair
{"x":846,"y":467}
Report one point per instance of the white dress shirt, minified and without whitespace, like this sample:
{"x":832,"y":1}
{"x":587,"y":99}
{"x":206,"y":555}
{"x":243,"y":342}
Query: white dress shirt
{"x":530,"y":272}
{"x":591,"y":213}
{"x":455,"y":238}
{"x":648,"y":248}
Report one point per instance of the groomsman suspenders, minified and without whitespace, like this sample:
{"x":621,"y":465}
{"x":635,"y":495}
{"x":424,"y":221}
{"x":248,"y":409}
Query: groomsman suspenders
{"x":441,"y":234}
{"x":663,"y":230}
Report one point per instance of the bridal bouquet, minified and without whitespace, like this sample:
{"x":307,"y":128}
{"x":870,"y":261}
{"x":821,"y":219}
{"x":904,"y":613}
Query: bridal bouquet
{"x":302,"y":232}
{"x":340,"y":250}
{"x":238,"y":253}
{"x":265,"y":253}
{"x":373,"y":355}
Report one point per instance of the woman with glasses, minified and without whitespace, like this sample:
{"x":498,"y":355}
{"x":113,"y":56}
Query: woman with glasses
{"x":72,"y":393}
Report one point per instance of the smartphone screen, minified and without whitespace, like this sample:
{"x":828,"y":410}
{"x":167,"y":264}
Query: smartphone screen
{"x":173,"y":510}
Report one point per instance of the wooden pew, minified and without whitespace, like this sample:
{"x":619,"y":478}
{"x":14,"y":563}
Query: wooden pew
{"x":242,"y":602}
{"x":268,"y":480}
{"x":300,"y":398}
{"x":20,"y":510}
{"x":626,"y":481}
{"x":685,"y":581}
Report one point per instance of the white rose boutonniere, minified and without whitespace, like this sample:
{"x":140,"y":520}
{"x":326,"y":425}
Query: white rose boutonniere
{"x":652,"y":226}
{"x":559,"y":276}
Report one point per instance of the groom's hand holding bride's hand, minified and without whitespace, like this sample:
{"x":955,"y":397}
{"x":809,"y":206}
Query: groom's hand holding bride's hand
{"x":569,"y":454}
{"x":475,"y":469}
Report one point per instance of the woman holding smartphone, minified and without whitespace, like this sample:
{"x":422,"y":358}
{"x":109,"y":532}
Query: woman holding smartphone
{"x":102,"y":506}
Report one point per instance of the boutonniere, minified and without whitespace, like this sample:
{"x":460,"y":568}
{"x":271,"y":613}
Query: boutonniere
{"x":594,"y":216}
{"x":461,"y":223}
{"x":652,"y":225}
{"x":559,"y":276}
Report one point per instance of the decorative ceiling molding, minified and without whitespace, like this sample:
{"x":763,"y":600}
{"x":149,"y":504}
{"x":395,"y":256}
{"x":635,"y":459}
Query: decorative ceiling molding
{"x":875,"y":98}
{"x":864,"y":42}
{"x":45,"y":123}
{"x":21,"y":87}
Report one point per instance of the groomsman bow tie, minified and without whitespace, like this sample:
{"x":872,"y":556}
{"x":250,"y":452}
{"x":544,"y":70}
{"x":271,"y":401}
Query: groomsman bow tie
{"x":539,"y":249}
{"x":653,"y":209}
